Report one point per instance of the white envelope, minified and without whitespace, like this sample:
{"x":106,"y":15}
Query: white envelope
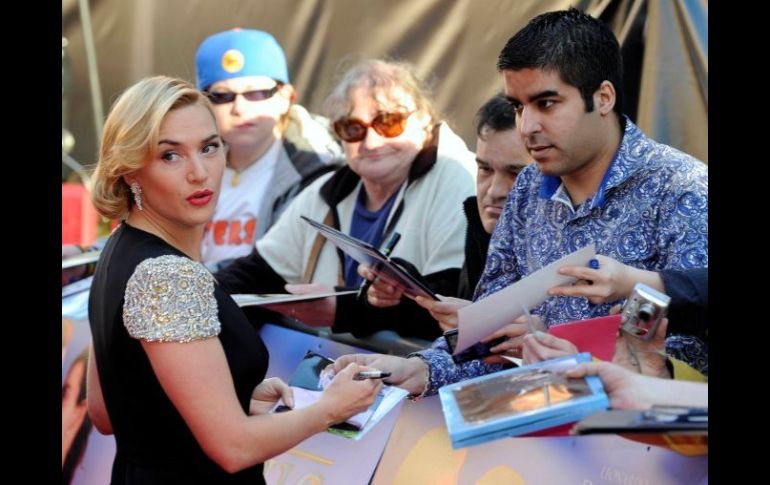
{"x":245,"y":299}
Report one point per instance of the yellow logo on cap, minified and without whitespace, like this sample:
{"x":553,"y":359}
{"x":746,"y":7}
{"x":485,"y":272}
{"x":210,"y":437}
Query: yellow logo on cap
{"x":232,"y":61}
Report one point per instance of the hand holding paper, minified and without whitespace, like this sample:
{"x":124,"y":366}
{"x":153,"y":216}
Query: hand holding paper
{"x":275,"y":300}
{"x":352,"y":405}
{"x":349,"y":399}
{"x":608,"y":280}
{"x":267,"y":393}
{"x":484,"y":316}
{"x":380,"y":293}
{"x":409,"y":374}
{"x":444,"y":311}
{"x":541,"y":346}
{"x":519,"y":401}
{"x":515,"y":334}
{"x":313,"y":303}
{"x":378,"y":262}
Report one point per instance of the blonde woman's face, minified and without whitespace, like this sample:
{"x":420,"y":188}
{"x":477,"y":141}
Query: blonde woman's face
{"x":180,"y":182}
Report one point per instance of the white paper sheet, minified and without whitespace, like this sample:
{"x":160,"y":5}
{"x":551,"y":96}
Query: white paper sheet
{"x":244,"y":299}
{"x":484,"y":317}
{"x":365,"y":420}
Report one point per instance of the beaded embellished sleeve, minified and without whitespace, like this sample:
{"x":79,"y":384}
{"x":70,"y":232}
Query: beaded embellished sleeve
{"x":170,"y":299}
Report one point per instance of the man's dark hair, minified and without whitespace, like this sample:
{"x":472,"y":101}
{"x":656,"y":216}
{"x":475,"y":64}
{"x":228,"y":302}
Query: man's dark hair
{"x":497,"y":114}
{"x":580,"y":48}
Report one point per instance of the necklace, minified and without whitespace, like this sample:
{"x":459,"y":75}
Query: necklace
{"x":236,"y":175}
{"x":237,"y":171}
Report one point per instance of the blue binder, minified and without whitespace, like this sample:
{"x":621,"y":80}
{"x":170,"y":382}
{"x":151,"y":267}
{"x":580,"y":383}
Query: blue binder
{"x":519,"y":401}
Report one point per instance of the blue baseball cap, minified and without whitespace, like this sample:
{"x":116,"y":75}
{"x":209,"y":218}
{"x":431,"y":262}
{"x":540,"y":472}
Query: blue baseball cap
{"x":237,"y":53}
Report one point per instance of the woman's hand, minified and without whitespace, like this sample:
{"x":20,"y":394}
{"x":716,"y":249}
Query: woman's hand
{"x":407,"y":373}
{"x":345,"y":397}
{"x":267,"y":393}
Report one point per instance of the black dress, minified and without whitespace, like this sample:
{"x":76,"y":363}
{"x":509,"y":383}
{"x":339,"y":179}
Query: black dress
{"x":154,"y":444}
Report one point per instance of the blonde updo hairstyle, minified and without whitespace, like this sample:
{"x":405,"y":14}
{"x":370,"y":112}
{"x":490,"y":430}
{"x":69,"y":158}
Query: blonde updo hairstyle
{"x":130,"y":135}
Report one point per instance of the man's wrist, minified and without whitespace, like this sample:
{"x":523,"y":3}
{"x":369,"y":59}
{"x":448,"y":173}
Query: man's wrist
{"x":421,"y":374}
{"x":649,"y":278}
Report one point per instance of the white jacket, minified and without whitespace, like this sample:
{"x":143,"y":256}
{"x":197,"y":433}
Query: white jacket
{"x":432,"y":224}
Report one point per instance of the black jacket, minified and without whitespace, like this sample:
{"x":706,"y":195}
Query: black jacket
{"x":476,"y":247}
{"x":410,"y":319}
{"x":688,"y":311}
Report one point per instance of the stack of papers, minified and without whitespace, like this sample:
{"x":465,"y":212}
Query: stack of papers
{"x":309,"y":381}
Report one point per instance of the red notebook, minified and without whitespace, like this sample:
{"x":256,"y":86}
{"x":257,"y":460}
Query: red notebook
{"x":596,"y":336}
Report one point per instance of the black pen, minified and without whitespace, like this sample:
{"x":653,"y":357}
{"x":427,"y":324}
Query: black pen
{"x":390,"y":244}
{"x":386,"y":250}
{"x":370,"y":374}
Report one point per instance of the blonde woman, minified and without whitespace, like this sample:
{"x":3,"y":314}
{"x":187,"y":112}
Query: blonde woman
{"x":178,"y":371}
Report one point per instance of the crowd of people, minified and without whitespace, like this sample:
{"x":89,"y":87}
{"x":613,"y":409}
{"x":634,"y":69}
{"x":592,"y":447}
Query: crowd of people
{"x":209,"y":180}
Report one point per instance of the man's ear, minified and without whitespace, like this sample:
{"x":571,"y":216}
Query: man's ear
{"x":605,"y":97}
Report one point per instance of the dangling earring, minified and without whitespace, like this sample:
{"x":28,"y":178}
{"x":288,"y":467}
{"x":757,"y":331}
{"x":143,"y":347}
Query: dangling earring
{"x":136,"y":189}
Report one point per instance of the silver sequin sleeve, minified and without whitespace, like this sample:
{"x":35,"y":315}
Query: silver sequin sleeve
{"x":170,"y":299}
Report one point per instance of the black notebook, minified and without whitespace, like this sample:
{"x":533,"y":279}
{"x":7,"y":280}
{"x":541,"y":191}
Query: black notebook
{"x":658,"y":419}
{"x":372,"y":257}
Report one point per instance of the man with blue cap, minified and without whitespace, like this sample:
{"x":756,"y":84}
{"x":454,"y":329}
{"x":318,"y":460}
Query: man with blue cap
{"x":276,"y":147}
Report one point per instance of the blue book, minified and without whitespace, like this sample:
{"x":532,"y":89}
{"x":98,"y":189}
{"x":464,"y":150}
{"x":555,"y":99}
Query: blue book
{"x":520,"y":401}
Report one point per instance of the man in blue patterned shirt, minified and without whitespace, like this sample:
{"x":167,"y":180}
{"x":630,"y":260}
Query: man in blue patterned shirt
{"x":598,"y":179}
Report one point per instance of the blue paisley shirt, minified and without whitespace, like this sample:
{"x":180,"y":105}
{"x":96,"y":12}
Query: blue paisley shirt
{"x":650,"y":212}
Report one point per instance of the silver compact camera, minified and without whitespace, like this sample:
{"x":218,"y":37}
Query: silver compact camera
{"x":643,"y":311}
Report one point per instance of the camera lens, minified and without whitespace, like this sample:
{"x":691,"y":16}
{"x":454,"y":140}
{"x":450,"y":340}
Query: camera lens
{"x":646,"y":311}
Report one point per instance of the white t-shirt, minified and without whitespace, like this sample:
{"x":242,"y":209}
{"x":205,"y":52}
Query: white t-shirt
{"x":230,"y":234}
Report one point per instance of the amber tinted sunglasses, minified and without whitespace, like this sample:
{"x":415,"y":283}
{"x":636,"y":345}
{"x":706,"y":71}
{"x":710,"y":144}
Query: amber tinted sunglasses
{"x":224,"y":97}
{"x":389,"y":125}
